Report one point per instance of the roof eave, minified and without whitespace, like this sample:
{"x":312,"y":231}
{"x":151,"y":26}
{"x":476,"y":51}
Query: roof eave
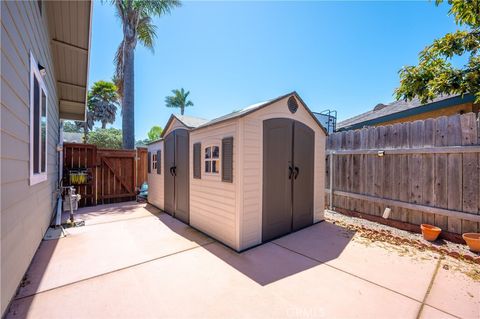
{"x":71,"y":43}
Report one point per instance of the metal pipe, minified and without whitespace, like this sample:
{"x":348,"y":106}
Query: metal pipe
{"x":331,"y":180}
{"x":58,"y":216}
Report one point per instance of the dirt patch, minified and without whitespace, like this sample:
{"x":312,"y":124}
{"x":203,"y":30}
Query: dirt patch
{"x":454,"y":256}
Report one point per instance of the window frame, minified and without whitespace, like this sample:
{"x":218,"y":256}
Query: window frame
{"x":154,"y":161}
{"x":211,"y":159}
{"x":36,"y":178}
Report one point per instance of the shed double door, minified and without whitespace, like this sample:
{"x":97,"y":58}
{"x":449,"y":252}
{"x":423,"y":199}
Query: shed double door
{"x":176,"y":186}
{"x":288,"y":177}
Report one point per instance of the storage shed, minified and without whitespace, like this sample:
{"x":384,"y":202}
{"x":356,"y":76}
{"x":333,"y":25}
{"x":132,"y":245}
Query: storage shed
{"x":257,"y":173}
{"x":169,"y":189}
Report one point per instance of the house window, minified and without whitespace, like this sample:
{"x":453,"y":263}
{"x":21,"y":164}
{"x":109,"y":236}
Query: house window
{"x":154,"y":161}
{"x":212,"y":159}
{"x":38,"y":125}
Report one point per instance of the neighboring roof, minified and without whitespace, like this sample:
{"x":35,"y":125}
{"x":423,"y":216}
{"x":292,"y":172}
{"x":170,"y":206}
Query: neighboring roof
{"x":189,"y":121}
{"x":69,"y":24}
{"x":73,"y":137}
{"x":255,"y":107}
{"x":153,"y":142}
{"x":399,"y":109}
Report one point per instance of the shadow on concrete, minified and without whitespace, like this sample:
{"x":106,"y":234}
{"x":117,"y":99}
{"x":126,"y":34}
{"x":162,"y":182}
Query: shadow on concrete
{"x":278,"y":259}
{"x":31,"y":280}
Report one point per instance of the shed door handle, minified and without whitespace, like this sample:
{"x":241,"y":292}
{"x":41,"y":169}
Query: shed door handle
{"x":297,"y":171}
{"x":290,"y":172}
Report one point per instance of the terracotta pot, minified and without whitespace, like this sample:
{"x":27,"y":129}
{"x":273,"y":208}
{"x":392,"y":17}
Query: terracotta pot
{"x":430,"y":232}
{"x":473,"y":241}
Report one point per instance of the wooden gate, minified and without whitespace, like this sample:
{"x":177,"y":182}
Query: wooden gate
{"x":113,"y":175}
{"x":116,"y":179}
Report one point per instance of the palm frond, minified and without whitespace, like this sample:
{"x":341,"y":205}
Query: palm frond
{"x":118,"y":75}
{"x":146,"y":32}
{"x":155,"y":7}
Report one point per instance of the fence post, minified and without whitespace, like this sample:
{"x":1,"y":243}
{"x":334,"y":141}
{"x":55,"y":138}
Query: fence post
{"x":331,"y":180}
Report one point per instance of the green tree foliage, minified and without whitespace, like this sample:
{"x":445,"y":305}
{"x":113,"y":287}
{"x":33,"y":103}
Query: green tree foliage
{"x":435,"y":73}
{"x":103,"y":101}
{"x":71,"y":127}
{"x":179,"y":99}
{"x":106,"y":138}
{"x":137,"y":24}
{"x":154,"y":133}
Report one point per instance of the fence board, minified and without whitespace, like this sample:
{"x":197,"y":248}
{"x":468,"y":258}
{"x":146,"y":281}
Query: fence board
{"x":113,"y":172}
{"x":433,"y":163}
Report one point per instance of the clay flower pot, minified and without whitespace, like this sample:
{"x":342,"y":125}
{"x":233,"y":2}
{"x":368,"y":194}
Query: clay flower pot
{"x":473,"y":241}
{"x":430,"y":232}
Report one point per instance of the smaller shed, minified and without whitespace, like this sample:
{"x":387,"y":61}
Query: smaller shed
{"x":171,"y":150}
{"x":155,"y":170}
{"x":258,"y":173}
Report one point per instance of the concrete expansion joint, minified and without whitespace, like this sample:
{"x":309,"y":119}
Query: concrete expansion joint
{"x":114,"y":271}
{"x":376,"y":284}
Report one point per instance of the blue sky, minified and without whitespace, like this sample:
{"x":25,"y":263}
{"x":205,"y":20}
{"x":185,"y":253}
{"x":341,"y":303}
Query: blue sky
{"x":336,"y":55}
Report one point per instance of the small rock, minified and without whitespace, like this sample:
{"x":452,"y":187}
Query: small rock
{"x":446,"y":267}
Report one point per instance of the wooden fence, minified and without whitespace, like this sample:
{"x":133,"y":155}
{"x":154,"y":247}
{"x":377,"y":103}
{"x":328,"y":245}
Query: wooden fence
{"x":113,"y":175}
{"x":425,"y":171}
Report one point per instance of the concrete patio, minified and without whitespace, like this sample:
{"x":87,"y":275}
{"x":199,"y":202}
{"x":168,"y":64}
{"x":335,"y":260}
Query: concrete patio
{"x":132,"y":261}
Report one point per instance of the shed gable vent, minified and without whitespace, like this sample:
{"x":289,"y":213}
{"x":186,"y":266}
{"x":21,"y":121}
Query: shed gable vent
{"x":197,"y":161}
{"x":292,"y":104}
{"x":159,"y":162}
{"x":227,"y":159}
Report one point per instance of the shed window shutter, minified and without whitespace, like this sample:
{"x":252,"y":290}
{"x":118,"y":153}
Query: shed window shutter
{"x":159,"y":162}
{"x":227,"y":159}
{"x":197,"y":160}
{"x":149,"y":162}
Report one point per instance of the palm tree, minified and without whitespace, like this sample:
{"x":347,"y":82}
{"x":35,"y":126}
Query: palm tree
{"x":179,"y":99}
{"x":86,"y":125}
{"x":136,"y":17}
{"x":103,"y":101}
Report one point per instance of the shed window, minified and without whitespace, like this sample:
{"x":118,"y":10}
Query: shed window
{"x":38,"y":125}
{"x":154,"y":161}
{"x":212,"y":159}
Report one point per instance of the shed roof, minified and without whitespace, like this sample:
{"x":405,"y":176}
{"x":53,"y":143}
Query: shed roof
{"x":188,"y":121}
{"x":255,"y":107}
{"x":398,"y":109}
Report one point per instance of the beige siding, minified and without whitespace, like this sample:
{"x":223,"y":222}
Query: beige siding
{"x":213,"y":203}
{"x":155,"y":181}
{"x":25,"y":210}
{"x":252,"y":168}
{"x":173,"y":126}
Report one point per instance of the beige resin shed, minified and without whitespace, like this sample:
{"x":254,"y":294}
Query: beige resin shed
{"x":258,"y":173}
{"x":169,"y":189}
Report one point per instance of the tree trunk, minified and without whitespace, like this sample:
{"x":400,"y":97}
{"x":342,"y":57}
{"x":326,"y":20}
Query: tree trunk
{"x":182,"y":110}
{"x":104,"y":125}
{"x":128,"y":117}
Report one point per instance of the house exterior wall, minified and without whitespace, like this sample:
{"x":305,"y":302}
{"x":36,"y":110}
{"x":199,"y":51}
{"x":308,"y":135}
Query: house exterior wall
{"x":448,"y":111}
{"x":25,"y":210}
{"x":155,"y":181}
{"x":213,"y":203}
{"x":250,"y":226}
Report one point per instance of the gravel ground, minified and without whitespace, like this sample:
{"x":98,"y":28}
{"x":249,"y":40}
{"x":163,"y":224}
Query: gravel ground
{"x":378,"y":232}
